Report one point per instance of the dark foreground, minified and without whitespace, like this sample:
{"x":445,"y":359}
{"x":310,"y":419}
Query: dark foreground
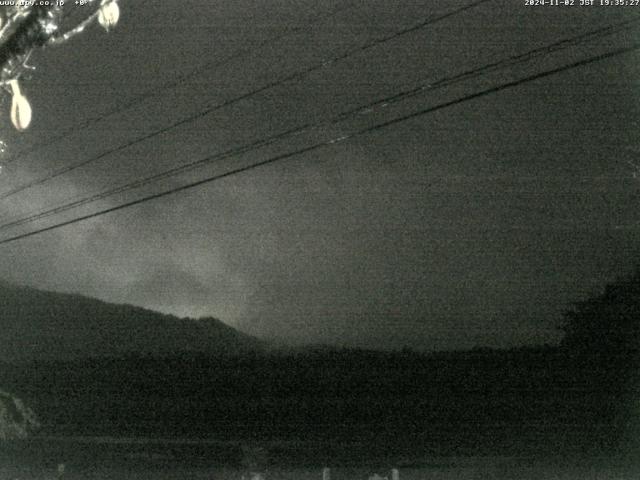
{"x":527,"y":413}
{"x":479,"y":403}
{"x":122,"y":459}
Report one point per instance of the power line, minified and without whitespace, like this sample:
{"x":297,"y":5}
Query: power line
{"x":169,"y":85}
{"x":317,"y":146}
{"x":384,"y":102}
{"x":520,"y":58}
{"x":202,"y":113}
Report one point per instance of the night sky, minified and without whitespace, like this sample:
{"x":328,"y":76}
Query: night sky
{"x":475,"y":225}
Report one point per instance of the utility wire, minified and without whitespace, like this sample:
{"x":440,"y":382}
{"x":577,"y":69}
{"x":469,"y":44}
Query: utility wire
{"x":317,"y":146}
{"x":520,"y":58}
{"x":383,"y":103}
{"x":202,"y":113}
{"x":240,"y":53}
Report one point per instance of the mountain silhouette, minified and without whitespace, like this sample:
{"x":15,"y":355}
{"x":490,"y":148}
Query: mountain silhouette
{"x":44,"y":325}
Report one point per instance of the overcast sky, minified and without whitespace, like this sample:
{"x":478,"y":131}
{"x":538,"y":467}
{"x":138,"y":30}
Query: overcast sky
{"x":474,"y":225}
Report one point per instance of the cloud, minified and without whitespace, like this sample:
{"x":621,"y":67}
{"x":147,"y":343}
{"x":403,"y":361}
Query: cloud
{"x":472,"y":225}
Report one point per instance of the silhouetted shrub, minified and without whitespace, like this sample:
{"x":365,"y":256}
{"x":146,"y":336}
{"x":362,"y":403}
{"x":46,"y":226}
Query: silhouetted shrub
{"x":608,"y":323}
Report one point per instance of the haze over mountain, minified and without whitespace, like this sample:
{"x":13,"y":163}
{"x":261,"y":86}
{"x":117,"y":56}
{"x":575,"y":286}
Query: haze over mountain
{"x":43,"y":325}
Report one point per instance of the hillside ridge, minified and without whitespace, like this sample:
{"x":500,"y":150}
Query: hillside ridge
{"x":46,"y":325}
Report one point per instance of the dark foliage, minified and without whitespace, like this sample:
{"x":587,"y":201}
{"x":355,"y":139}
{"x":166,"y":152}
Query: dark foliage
{"x":608,"y":323}
{"x":602,"y":345}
